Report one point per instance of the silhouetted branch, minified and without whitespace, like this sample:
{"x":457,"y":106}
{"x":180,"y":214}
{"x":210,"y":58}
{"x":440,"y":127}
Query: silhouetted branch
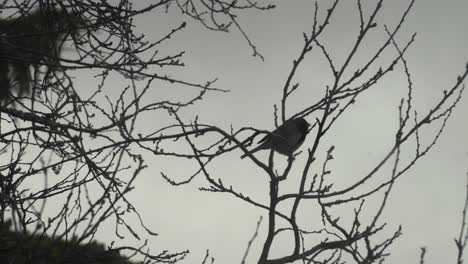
{"x":460,"y":242}
{"x":85,"y":140}
{"x":337,"y":237}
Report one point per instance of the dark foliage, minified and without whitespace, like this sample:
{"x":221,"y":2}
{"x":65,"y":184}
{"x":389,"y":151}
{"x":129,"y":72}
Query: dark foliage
{"x":32,"y":40}
{"x":37,"y":248}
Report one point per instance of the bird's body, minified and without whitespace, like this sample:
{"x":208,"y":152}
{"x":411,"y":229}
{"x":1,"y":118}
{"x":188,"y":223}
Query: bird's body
{"x":285,"y":139}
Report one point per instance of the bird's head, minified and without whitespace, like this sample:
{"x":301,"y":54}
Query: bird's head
{"x":302,"y":123}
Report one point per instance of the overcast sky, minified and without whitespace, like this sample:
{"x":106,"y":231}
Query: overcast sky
{"x":427,"y":201}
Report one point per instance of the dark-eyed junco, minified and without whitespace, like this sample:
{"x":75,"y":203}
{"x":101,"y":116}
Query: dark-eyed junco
{"x":285,"y":139}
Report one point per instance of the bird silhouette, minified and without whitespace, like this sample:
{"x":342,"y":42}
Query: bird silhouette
{"x":286,"y":139}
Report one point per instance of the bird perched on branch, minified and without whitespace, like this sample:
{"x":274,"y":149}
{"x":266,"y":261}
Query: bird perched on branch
{"x":285,"y":139}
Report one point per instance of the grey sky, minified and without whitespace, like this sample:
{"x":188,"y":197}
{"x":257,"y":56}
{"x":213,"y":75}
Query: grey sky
{"x":427,"y":201}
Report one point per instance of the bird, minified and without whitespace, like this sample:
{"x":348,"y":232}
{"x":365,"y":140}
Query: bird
{"x":286,"y":139}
